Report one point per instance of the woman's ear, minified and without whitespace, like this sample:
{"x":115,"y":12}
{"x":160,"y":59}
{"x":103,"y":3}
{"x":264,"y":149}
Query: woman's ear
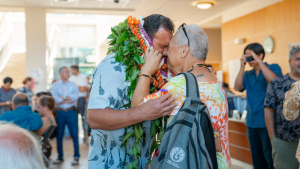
{"x":185,"y":51}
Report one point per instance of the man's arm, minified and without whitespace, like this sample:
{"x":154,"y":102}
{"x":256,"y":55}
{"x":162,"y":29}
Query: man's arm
{"x":269,"y":119}
{"x":54,"y":92}
{"x":74,"y":94}
{"x":111,"y":119}
{"x":238,"y":85}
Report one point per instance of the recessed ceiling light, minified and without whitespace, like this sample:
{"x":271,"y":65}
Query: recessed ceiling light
{"x":64,"y":1}
{"x":204,"y":5}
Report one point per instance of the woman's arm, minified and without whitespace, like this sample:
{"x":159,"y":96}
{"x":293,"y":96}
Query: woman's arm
{"x":45,"y":126}
{"x":152,"y":64}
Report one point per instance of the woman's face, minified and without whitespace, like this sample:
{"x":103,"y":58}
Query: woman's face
{"x":41,"y":109}
{"x":174,"y":56}
{"x":28,"y":84}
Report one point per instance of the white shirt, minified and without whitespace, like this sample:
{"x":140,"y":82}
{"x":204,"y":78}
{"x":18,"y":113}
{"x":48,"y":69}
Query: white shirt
{"x":80,"y":80}
{"x":109,"y":90}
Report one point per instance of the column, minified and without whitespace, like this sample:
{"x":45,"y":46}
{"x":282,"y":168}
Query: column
{"x":36,"y":47}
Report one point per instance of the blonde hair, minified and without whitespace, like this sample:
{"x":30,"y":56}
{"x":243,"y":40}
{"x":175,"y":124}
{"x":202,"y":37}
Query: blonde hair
{"x":19,"y":149}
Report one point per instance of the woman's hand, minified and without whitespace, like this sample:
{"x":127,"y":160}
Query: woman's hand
{"x":153,"y":62}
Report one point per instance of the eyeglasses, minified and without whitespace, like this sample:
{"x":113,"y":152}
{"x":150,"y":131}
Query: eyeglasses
{"x":183,"y":28}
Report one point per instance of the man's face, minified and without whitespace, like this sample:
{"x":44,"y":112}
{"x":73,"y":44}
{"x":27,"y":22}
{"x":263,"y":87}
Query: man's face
{"x":174,"y":56}
{"x":295,"y":63}
{"x":73,"y":71}
{"x":7,"y":86}
{"x":161,"y":41}
{"x":65,"y":74}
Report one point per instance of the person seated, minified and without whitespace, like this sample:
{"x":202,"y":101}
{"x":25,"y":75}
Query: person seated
{"x":22,"y":115}
{"x":45,"y":107}
{"x":35,"y":98}
{"x":187,"y":52}
{"x":19,"y":149}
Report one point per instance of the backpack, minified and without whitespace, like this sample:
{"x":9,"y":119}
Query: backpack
{"x":188,"y":142}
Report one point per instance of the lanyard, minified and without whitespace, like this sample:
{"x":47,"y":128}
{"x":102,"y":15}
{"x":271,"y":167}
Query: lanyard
{"x":200,"y":65}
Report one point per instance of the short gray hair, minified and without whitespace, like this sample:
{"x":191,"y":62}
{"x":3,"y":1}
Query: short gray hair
{"x":61,"y":69}
{"x":19,"y":149}
{"x":294,"y":51}
{"x":198,"y":40}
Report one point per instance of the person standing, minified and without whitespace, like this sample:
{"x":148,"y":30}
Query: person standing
{"x":81,"y":81}
{"x":106,"y":115}
{"x":284,"y":134}
{"x":26,"y":89}
{"x":65,"y":94}
{"x":6,"y":93}
{"x":255,"y":82}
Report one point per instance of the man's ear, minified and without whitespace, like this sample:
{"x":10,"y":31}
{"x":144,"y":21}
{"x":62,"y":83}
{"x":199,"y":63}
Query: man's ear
{"x":261,"y":56}
{"x":185,"y":51}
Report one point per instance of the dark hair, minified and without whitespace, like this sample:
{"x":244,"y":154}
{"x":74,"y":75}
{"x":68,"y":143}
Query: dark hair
{"x":153,"y":22}
{"x":20,"y":99}
{"x":75,"y":67}
{"x":7,"y":80}
{"x":256,"y":48}
{"x":47,"y":101}
{"x":225,"y":85}
{"x":43,"y":93}
{"x":27,"y":79}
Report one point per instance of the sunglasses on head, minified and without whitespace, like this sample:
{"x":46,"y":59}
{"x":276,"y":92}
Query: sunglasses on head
{"x":183,"y":28}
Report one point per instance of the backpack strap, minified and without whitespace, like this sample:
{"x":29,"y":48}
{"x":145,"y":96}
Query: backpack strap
{"x":192,"y":89}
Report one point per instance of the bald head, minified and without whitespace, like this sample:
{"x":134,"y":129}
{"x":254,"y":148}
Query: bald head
{"x":19,"y":99}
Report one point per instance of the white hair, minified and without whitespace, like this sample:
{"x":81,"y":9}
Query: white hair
{"x":198,"y":40}
{"x":19,"y":149}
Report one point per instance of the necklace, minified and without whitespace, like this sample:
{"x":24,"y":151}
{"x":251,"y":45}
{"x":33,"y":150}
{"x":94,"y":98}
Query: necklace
{"x":200,"y":65}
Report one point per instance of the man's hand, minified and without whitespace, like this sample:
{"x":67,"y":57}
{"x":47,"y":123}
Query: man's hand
{"x":157,"y":108}
{"x":81,"y":89}
{"x":153,"y":62}
{"x":255,"y":57}
{"x":67,"y":98}
{"x":243,"y":61}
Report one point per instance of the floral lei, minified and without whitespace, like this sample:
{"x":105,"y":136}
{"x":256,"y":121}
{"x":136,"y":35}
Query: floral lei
{"x":129,"y":41}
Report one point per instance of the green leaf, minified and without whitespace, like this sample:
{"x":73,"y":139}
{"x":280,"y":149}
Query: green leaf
{"x":123,"y":37}
{"x":141,"y":130}
{"x":111,"y":36}
{"x":157,"y":122}
{"x":117,"y":58}
{"x":138,"y":149}
{"x":119,"y":30}
{"x":114,"y":32}
{"x":133,"y":84}
{"x":153,"y":129}
{"x":134,"y":150}
{"x":133,"y":38}
{"x":109,"y":52}
{"x":160,"y":135}
{"x":130,"y":134}
{"x":142,"y":60}
{"x":148,"y":162}
{"x":123,"y":24}
{"x":152,"y":88}
{"x":136,"y":131}
{"x":112,"y":42}
{"x":134,"y":74}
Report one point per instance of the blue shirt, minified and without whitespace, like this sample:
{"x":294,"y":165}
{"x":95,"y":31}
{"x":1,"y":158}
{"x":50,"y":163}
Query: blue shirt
{"x":23,"y":117}
{"x":4,"y":97}
{"x":256,"y":87}
{"x":62,"y":89}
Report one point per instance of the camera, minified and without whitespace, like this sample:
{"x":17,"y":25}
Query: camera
{"x":116,"y":1}
{"x":249,"y":59}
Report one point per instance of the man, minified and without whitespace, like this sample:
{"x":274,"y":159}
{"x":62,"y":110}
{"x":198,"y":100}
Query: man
{"x":81,"y":81}
{"x":106,"y":116}
{"x":284,"y":134}
{"x":6,"y":93}
{"x":65,"y":94}
{"x":22,"y":115}
{"x":19,"y":148}
{"x":255,"y":82}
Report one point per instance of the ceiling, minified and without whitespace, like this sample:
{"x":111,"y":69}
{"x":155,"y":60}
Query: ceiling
{"x":180,"y":11}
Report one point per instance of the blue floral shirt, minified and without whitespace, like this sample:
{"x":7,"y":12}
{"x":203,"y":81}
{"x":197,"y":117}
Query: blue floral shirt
{"x":109,"y":90}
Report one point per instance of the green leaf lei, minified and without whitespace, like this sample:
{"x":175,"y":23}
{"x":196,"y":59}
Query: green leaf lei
{"x":128,"y":52}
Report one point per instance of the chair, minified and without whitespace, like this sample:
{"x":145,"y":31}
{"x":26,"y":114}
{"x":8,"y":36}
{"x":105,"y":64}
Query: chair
{"x":46,"y":141}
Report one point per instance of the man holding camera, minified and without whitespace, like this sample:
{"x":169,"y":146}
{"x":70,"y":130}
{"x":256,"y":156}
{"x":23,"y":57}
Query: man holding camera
{"x":255,"y":82}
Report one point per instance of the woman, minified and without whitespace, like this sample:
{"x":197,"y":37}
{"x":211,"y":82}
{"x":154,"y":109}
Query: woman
{"x":187,"y":53}
{"x":6,"y":93}
{"x":45,"y":107}
{"x":26,"y":89}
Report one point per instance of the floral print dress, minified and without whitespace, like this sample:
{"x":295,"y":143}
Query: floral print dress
{"x":213,"y":96}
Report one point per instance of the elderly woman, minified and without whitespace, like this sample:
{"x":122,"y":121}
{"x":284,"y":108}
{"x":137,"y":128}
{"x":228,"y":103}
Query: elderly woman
{"x":187,"y":53}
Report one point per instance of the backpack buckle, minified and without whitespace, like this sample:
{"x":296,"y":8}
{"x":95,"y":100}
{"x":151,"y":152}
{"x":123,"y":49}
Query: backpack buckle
{"x":156,"y":153}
